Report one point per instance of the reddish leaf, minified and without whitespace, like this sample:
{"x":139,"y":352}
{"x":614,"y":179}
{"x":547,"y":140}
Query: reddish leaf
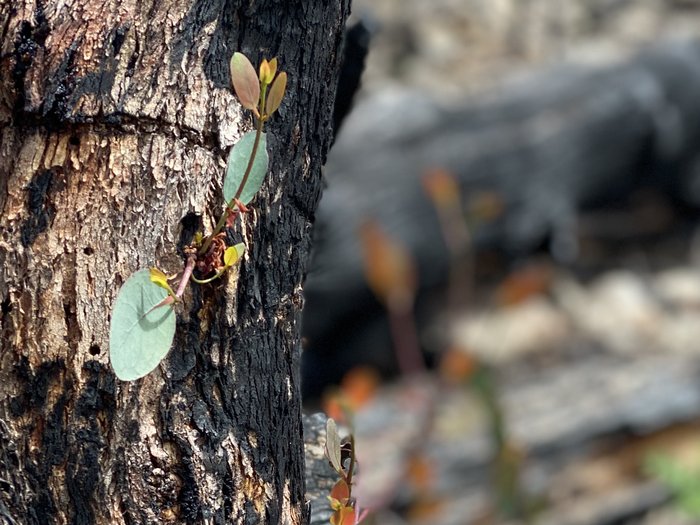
{"x":442,"y":188}
{"x":359,"y":386}
{"x":456,"y":366}
{"x":245,"y":81}
{"x":341,"y":491}
{"x":523,"y":284}
{"x":389,"y":269}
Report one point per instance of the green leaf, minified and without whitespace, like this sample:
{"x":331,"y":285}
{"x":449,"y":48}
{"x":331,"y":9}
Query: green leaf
{"x":237,"y":164}
{"x":333,"y":445}
{"x":274,"y":97}
{"x":140,"y":335}
{"x":240,"y":249}
{"x":245,"y":81}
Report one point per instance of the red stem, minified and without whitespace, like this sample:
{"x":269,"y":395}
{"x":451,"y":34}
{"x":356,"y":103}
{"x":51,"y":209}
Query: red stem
{"x":186,"y":274}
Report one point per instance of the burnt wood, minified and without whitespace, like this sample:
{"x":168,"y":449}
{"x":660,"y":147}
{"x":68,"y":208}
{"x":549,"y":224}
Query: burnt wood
{"x":571,"y":139}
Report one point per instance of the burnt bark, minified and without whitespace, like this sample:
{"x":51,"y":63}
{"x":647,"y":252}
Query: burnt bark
{"x":116,"y":118}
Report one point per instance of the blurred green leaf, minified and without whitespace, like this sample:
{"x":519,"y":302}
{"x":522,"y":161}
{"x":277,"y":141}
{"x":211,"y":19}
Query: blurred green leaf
{"x":683,"y":482}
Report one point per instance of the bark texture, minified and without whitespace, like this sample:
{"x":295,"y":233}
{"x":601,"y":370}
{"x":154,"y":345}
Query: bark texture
{"x":115,"y":120}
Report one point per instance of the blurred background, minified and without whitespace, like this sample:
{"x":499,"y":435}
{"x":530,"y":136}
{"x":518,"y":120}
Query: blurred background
{"x":503,"y":304}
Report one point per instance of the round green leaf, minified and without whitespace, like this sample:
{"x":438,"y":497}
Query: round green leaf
{"x":237,"y":164}
{"x":140,"y":335}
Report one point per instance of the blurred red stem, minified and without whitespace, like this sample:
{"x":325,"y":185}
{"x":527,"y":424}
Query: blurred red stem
{"x":405,"y":337}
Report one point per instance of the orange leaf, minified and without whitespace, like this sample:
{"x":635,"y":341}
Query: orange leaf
{"x":341,"y":491}
{"x":425,"y":509}
{"x":442,"y":188}
{"x":486,"y":206}
{"x":333,"y":406}
{"x":456,"y":366}
{"x":359,"y":386}
{"x":419,"y":472}
{"x":523,"y":284}
{"x":389,"y":269}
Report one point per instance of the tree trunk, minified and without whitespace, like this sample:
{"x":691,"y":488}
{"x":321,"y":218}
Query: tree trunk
{"x":116,"y":118}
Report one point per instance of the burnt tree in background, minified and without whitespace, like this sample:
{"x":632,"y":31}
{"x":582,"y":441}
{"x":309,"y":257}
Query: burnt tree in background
{"x":115,"y":120}
{"x":550,"y":146}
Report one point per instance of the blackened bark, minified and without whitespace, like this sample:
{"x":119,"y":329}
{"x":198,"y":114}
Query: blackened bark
{"x":116,"y":118}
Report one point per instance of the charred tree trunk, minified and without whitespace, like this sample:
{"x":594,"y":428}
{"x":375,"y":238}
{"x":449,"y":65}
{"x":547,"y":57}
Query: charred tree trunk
{"x":115,"y":119}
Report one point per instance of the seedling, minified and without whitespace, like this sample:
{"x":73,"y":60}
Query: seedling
{"x":143,"y":316}
{"x":341,"y":456}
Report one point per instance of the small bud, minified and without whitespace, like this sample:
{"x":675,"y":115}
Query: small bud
{"x":265,"y":73}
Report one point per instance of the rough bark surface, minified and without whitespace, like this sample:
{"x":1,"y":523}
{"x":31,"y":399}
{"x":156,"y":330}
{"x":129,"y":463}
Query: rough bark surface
{"x":116,"y":117}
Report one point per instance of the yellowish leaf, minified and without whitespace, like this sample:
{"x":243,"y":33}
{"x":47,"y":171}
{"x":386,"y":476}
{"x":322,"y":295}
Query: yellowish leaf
{"x":267,"y":71}
{"x":159,"y":278}
{"x":276,"y":94}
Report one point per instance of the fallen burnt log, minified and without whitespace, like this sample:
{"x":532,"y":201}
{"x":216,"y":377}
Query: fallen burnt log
{"x":571,"y":139}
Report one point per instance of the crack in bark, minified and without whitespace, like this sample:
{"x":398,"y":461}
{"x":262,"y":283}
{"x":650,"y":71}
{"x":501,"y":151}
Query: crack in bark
{"x":123,"y":123}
